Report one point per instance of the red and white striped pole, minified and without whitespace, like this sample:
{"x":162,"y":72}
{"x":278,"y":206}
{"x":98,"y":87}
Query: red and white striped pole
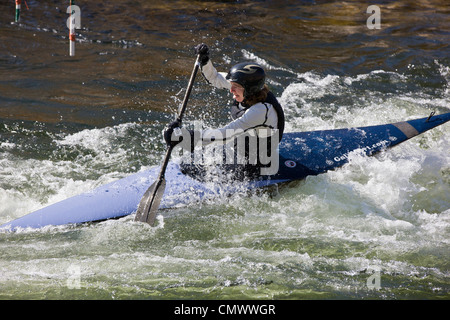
{"x":71,"y":32}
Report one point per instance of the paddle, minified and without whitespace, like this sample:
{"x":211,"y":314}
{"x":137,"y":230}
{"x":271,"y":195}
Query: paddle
{"x":149,"y":204}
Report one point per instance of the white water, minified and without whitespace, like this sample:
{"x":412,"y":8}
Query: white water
{"x":318,"y":238}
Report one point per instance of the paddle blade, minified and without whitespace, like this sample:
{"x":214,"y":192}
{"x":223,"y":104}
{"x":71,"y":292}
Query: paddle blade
{"x":150,"y":202}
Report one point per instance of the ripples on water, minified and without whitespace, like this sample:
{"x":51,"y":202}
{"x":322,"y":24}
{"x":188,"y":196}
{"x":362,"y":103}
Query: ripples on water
{"x":69,"y":124}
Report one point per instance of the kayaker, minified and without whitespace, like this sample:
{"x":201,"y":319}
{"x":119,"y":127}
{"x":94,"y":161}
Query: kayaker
{"x":257,"y":119}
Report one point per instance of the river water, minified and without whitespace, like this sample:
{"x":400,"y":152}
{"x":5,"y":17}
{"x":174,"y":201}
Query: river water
{"x":377,"y":228}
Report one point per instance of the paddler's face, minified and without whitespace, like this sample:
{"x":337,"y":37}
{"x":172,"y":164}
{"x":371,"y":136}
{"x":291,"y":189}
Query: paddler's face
{"x":238,"y":91}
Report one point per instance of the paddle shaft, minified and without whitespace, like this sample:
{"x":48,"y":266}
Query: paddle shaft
{"x":189,"y":89}
{"x":149,"y":203}
{"x":181,"y":111}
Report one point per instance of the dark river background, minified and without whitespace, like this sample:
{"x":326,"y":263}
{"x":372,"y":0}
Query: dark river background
{"x":70,"y":124}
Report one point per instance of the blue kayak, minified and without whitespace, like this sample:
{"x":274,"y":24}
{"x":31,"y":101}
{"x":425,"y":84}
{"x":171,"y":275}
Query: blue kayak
{"x":300,"y":154}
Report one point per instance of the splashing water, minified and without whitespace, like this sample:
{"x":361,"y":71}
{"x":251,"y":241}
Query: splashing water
{"x":320,"y":238}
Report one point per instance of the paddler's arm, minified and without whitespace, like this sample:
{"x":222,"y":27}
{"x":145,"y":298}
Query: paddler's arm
{"x":257,"y":117}
{"x":254,"y":118}
{"x":217,"y":79}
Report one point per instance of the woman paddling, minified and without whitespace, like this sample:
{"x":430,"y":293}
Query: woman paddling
{"x":255,"y":130}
